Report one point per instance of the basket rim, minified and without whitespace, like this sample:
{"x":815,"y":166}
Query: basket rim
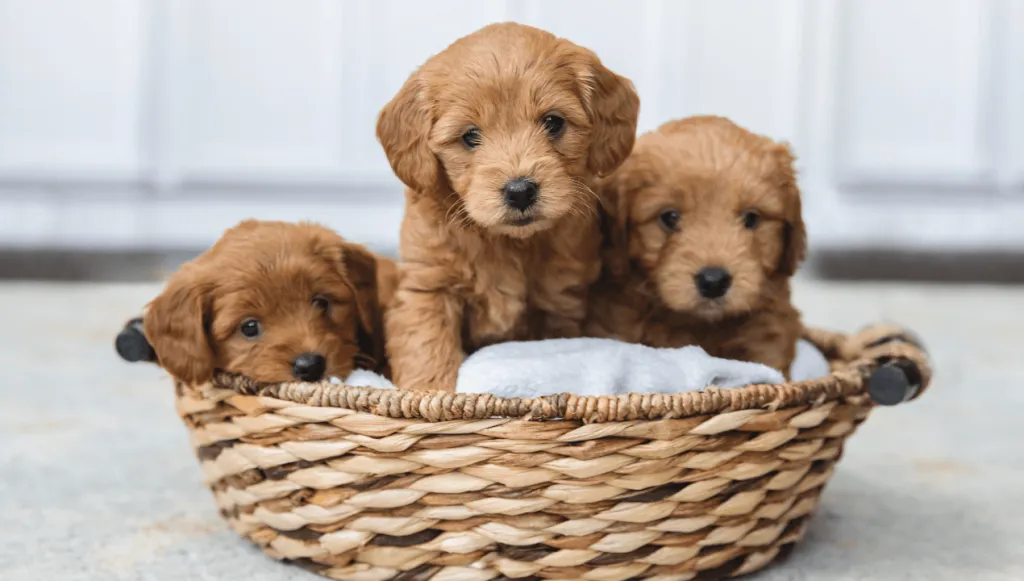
{"x":852,"y":359}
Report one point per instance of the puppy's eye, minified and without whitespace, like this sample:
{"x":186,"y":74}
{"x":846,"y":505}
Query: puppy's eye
{"x":554,"y":125}
{"x":471,"y":138}
{"x":251,"y":328}
{"x":751,"y":219}
{"x":323,"y":304}
{"x":669,"y":220}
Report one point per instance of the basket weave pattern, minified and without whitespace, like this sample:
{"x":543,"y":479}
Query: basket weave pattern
{"x":367,"y":484}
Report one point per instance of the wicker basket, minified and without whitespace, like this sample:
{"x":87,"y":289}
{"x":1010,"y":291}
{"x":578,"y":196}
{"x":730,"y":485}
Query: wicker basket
{"x":368,"y":485}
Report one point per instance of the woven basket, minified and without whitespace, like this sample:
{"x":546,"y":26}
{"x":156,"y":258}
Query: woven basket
{"x":368,"y":485}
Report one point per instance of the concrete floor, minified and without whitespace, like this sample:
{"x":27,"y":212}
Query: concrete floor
{"x":97,"y":481}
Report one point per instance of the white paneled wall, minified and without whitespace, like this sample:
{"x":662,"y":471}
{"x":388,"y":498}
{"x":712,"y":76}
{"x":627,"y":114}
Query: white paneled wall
{"x":158,"y":123}
{"x":917,"y":108}
{"x":72,"y":89}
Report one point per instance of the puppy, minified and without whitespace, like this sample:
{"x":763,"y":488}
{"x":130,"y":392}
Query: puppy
{"x":276,"y":302}
{"x":497,"y":139}
{"x":705,"y":231}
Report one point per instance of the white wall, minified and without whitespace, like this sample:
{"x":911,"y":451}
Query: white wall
{"x":158,"y":123}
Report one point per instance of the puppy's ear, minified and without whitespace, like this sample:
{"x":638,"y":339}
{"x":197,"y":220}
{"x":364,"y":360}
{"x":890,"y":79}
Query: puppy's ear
{"x":175,"y":324}
{"x":612,"y":104}
{"x":794,"y":233}
{"x":403,"y":129}
{"x":361,"y":269}
{"x":612,"y":192}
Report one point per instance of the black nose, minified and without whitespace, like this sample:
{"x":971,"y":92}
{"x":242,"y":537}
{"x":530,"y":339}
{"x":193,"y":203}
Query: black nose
{"x":520,"y":193}
{"x":309,"y":367}
{"x":713,"y":282}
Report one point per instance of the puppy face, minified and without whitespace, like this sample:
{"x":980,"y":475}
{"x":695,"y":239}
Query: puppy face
{"x":505,"y":123}
{"x":272,"y":301}
{"x":711,"y":212}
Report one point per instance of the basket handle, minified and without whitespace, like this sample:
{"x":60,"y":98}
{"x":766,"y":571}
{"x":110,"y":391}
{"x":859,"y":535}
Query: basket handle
{"x":895,"y":382}
{"x":131,"y":343}
{"x":901,"y":370}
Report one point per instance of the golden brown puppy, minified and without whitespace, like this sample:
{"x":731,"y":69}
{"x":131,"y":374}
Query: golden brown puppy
{"x":276,"y":302}
{"x":497,"y":139}
{"x":705,"y":233}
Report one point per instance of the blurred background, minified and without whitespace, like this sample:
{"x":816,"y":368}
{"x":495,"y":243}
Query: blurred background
{"x":133,"y":132}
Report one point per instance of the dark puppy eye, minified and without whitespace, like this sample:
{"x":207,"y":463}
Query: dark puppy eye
{"x":670,"y":220}
{"x":471,"y":138}
{"x":323,"y":304}
{"x":554,"y":125}
{"x":751,"y":219}
{"x":251,"y":328}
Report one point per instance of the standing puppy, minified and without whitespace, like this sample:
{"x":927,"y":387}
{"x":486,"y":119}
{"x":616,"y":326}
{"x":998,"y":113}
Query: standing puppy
{"x":498,"y":138}
{"x":706,"y":232}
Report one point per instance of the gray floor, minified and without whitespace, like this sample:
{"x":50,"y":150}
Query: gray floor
{"x":97,"y":481}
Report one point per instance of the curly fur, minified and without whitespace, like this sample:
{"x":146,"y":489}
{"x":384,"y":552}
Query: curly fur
{"x":271,"y":271}
{"x":712,"y":172}
{"x":474,"y":270}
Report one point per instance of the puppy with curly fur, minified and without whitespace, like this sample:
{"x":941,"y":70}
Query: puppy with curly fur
{"x":276,"y":302}
{"x":497,"y":139}
{"x":705,"y":231}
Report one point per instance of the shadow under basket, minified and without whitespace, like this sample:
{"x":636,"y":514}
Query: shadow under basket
{"x":367,"y":484}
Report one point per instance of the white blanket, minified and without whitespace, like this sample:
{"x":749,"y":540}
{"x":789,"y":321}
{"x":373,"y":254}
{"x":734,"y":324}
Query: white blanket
{"x":364,"y":378}
{"x":810,"y":362}
{"x":605,"y":367}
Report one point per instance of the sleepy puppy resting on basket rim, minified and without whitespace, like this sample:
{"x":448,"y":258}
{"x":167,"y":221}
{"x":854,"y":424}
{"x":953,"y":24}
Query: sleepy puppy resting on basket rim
{"x":497,"y":139}
{"x":276,"y":302}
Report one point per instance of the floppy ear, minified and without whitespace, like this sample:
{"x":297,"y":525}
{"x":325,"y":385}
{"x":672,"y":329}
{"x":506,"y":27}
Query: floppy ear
{"x":794,"y":233}
{"x":361,"y":270}
{"x":175,"y":324}
{"x":387,"y":281}
{"x":614,"y":225}
{"x":403,"y":129}
{"x":612,"y":105}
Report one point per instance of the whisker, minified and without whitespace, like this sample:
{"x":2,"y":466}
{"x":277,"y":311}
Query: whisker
{"x":583,"y":209}
{"x":456,"y":217}
{"x":463,"y":223}
{"x":454,"y":207}
{"x":584,"y":188}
